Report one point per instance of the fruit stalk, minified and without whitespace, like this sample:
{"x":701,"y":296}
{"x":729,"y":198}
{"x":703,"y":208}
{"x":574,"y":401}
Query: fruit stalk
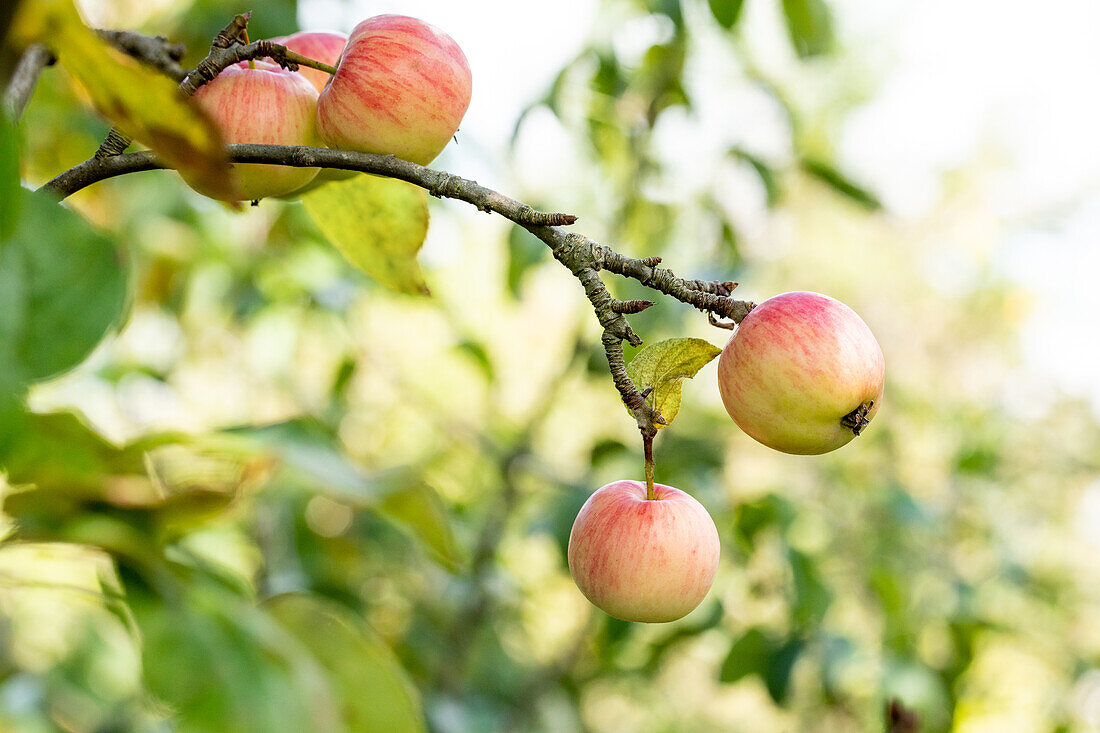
{"x":647,"y":445}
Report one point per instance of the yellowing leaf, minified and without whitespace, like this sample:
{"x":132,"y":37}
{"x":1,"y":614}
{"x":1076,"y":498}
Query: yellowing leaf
{"x":144,"y":104}
{"x":378,"y":224}
{"x":664,"y":366}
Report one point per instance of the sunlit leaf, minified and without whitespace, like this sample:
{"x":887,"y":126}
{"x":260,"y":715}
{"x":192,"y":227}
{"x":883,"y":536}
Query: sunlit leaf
{"x":378,"y":224}
{"x":664,"y":366}
{"x":9,"y":178}
{"x":63,"y":286}
{"x":375,"y":692}
{"x":810,"y":26}
{"x":829,"y":175}
{"x":420,"y":510}
{"x":143,"y":103}
{"x":726,"y":12}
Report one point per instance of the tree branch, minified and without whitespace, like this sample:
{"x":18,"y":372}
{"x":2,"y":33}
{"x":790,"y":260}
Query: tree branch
{"x":25,"y":78}
{"x":155,"y":51}
{"x":583,"y":256}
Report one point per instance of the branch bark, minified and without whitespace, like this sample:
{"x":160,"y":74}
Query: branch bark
{"x":155,"y":51}
{"x":23,"y":81}
{"x":583,"y":256}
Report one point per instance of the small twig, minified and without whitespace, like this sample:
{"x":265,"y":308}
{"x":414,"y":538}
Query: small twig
{"x":900,"y":719}
{"x":728,"y":325}
{"x":580,"y":254}
{"x":156,"y":51}
{"x":648,"y":434}
{"x":631,"y":306}
{"x":25,"y":78}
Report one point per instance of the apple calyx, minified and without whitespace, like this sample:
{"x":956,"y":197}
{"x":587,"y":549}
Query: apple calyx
{"x":857,"y":419}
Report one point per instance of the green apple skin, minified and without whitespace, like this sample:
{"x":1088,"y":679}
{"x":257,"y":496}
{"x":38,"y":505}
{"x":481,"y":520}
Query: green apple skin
{"x":401,"y":88}
{"x":264,"y":105}
{"x":643,"y":560}
{"x":795,"y":367}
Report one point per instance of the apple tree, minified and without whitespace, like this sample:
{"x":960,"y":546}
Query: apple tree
{"x":280,"y":467}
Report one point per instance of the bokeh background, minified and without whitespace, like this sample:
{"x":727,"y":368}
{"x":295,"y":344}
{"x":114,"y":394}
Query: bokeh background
{"x":362,"y":500}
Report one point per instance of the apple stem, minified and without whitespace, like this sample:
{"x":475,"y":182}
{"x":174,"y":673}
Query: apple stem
{"x":647,"y":445}
{"x":244,"y":40}
{"x":311,"y":63}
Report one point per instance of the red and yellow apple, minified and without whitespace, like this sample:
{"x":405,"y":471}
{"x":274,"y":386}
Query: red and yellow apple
{"x":265,"y":105}
{"x":643,"y":560}
{"x":802,"y":373}
{"x":401,"y":88}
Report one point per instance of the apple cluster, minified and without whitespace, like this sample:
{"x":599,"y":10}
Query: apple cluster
{"x":401,"y":88}
{"x":802,"y":374}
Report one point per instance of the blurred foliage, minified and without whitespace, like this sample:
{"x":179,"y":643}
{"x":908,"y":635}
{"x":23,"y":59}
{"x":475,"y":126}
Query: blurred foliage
{"x":278,"y":497}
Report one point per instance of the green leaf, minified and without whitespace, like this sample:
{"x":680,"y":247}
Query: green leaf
{"x":810,"y":26}
{"x":748,"y":655}
{"x":478,"y":355}
{"x":143,"y":103}
{"x":829,"y":175}
{"x":10,"y":197}
{"x":420,"y":510}
{"x":764,"y":171}
{"x":378,"y":224}
{"x":63,"y":286}
{"x":726,"y":12}
{"x":811,"y":596}
{"x":376,"y":694}
{"x":777,"y":678}
{"x":664,"y":365}
{"x":757,"y":652}
{"x":752,"y":517}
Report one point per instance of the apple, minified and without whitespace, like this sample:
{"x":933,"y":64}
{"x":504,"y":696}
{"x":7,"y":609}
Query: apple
{"x":266,"y":105}
{"x":802,"y":373}
{"x":643,"y":560}
{"x":401,"y":88}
